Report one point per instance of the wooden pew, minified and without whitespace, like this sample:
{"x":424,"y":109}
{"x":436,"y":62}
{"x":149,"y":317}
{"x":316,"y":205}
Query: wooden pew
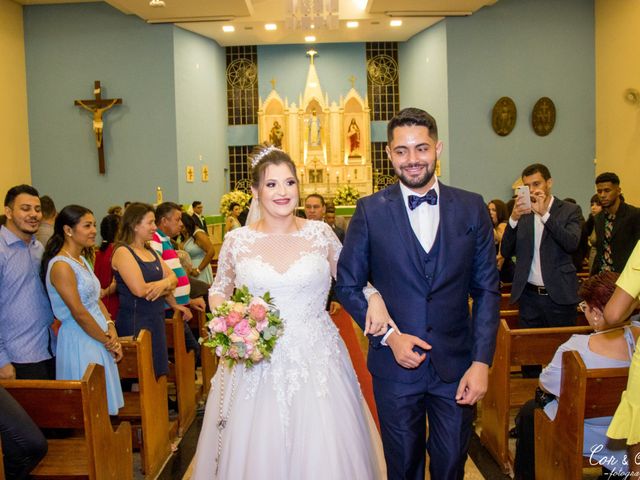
{"x":208,"y":358}
{"x":182,"y":372}
{"x":583,"y":394}
{"x":515,"y":347}
{"x":94,"y":450}
{"x":147,"y":408}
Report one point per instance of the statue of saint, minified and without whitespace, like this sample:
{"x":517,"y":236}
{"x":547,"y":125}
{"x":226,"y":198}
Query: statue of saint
{"x":314,"y":130}
{"x":353,"y":134}
{"x":276,"y":134}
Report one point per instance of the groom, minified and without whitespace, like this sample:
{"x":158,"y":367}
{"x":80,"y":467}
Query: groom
{"x":426,"y":247}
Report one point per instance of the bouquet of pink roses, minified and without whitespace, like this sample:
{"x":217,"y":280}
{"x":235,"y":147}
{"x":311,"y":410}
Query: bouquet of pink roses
{"x":245,"y":328}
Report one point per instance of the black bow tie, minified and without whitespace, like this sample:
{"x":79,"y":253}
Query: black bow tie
{"x":431,"y":198}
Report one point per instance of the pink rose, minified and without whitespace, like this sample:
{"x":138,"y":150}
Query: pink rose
{"x":218,"y":324}
{"x":233,"y":352}
{"x":233,"y":318}
{"x":242,"y":328}
{"x":252,"y":337}
{"x":235,"y":338}
{"x":238,"y":307}
{"x":257,"y":312}
{"x":260,"y":326}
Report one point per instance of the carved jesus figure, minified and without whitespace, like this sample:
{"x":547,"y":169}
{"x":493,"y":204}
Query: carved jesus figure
{"x":98,"y":124}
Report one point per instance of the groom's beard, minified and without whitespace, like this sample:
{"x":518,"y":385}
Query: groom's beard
{"x":416,"y":182}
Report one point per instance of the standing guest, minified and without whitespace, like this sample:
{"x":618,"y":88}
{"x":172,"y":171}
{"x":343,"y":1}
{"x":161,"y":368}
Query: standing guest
{"x":197,"y":216}
{"x":588,"y":240}
{"x":314,"y":207}
{"x":233,"y":221}
{"x":143,"y":280}
{"x":26,"y":338}
{"x":606,"y":348}
{"x":330,"y":219}
{"x":197,"y":244}
{"x":626,"y":421}
{"x":617,"y":226}
{"x":548,"y":233}
{"x":87,"y":335}
{"x":499,"y":216}
{"x":115,"y":210}
{"x":426,"y":247}
{"x":23,"y":444}
{"x":45,"y":230}
{"x":102,"y":266}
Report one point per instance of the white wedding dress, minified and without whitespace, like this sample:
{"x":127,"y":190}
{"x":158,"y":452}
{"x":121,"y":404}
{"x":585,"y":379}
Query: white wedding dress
{"x":301,"y":414}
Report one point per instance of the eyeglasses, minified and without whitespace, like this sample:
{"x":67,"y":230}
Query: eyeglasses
{"x":583,"y":306}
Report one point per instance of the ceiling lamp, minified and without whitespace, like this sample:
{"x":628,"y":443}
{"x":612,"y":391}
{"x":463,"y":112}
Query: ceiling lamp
{"x":302,"y":14}
{"x":156,"y":3}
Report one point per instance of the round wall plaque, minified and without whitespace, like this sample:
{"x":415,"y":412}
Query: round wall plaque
{"x":503,"y":117}
{"x":543,"y":116}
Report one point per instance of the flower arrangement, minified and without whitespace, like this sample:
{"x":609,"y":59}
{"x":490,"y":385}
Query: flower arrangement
{"x":346,"y":195}
{"x":245,"y":328}
{"x":237,"y":196}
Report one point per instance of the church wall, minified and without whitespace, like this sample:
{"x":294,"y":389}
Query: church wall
{"x":617,"y":69}
{"x":14,"y":131}
{"x":423,"y":82}
{"x":67,"y":48}
{"x":201,"y":113}
{"x":524,"y":49}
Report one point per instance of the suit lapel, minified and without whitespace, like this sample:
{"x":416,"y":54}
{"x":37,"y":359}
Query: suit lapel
{"x":398,"y":212}
{"x":553,"y":211}
{"x":447,"y":229}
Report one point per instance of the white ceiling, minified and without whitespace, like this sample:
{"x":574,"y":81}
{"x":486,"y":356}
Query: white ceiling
{"x":206,"y":17}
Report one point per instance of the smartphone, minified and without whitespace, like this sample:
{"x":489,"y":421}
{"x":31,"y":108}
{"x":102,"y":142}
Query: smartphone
{"x":523,"y":192}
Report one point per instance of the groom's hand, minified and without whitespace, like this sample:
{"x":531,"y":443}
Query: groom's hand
{"x":402,"y":348}
{"x":473,"y":384}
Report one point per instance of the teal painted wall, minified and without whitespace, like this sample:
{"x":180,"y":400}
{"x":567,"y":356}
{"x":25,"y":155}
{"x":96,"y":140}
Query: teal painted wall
{"x":67,"y":48}
{"x":524,"y":49}
{"x":201,"y":112}
{"x":423,"y":81}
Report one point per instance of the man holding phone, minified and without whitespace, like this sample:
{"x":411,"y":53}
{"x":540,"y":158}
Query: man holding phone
{"x":543,"y":232}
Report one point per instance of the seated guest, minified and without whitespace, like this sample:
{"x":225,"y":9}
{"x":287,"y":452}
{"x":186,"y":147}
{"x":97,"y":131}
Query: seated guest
{"x":197,"y":244}
{"x":23,"y":444}
{"x":87,"y":334}
{"x":102,"y":266}
{"x":626,"y":421}
{"x":26,"y":338}
{"x":143,"y":281}
{"x":499,"y":216}
{"x":45,"y":230}
{"x":605,"y":348}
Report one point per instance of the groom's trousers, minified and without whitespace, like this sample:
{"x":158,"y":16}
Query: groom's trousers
{"x":402,"y":409}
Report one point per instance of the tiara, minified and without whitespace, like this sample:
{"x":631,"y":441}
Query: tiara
{"x":263,"y":153}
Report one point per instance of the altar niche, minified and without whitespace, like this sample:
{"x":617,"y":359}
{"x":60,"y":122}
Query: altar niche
{"x":328,"y":140}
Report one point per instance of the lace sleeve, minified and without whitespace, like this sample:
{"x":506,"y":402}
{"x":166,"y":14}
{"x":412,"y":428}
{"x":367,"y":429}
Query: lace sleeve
{"x":224,"y":282}
{"x":334,"y":249}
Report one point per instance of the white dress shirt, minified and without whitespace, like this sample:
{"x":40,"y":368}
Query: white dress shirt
{"x":535,"y":272}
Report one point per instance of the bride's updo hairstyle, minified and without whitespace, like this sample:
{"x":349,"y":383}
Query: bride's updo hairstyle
{"x":264,"y":155}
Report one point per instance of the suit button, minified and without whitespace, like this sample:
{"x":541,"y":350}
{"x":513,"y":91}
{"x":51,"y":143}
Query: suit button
{"x":429,"y":329}
{"x":429,"y":298}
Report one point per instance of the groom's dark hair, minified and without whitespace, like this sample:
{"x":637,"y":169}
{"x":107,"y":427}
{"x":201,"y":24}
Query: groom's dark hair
{"x":410,"y":117}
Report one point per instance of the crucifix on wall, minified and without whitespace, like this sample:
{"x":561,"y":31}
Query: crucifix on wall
{"x":98,"y":106}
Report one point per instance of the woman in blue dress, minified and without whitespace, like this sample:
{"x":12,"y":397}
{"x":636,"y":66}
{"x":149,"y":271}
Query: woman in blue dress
{"x":87,"y":334}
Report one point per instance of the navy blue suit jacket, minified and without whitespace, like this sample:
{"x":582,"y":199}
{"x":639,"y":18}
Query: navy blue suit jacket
{"x":380,"y":247}
{"x":561,"y":237}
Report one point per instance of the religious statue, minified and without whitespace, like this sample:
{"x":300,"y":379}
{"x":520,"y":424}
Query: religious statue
{"x":276,"y":134}
{"x":353,"y":134}
{"x":314,"y":130}
{"x":98,"y":124}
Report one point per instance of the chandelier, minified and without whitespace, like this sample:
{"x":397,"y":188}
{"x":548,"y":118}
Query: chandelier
{"x":312,"y":14}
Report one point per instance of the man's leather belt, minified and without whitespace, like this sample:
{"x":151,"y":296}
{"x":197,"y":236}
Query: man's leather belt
{"x":537,"y":289}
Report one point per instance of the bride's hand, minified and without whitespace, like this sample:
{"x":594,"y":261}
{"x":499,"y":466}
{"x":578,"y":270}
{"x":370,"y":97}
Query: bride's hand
{"x":378,"y":320}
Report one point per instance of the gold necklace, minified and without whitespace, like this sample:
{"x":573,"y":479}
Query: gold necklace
{"x":74,"y":258}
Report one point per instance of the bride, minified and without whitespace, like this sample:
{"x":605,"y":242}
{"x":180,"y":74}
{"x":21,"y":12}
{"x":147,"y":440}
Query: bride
{"x":301,"y":414}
